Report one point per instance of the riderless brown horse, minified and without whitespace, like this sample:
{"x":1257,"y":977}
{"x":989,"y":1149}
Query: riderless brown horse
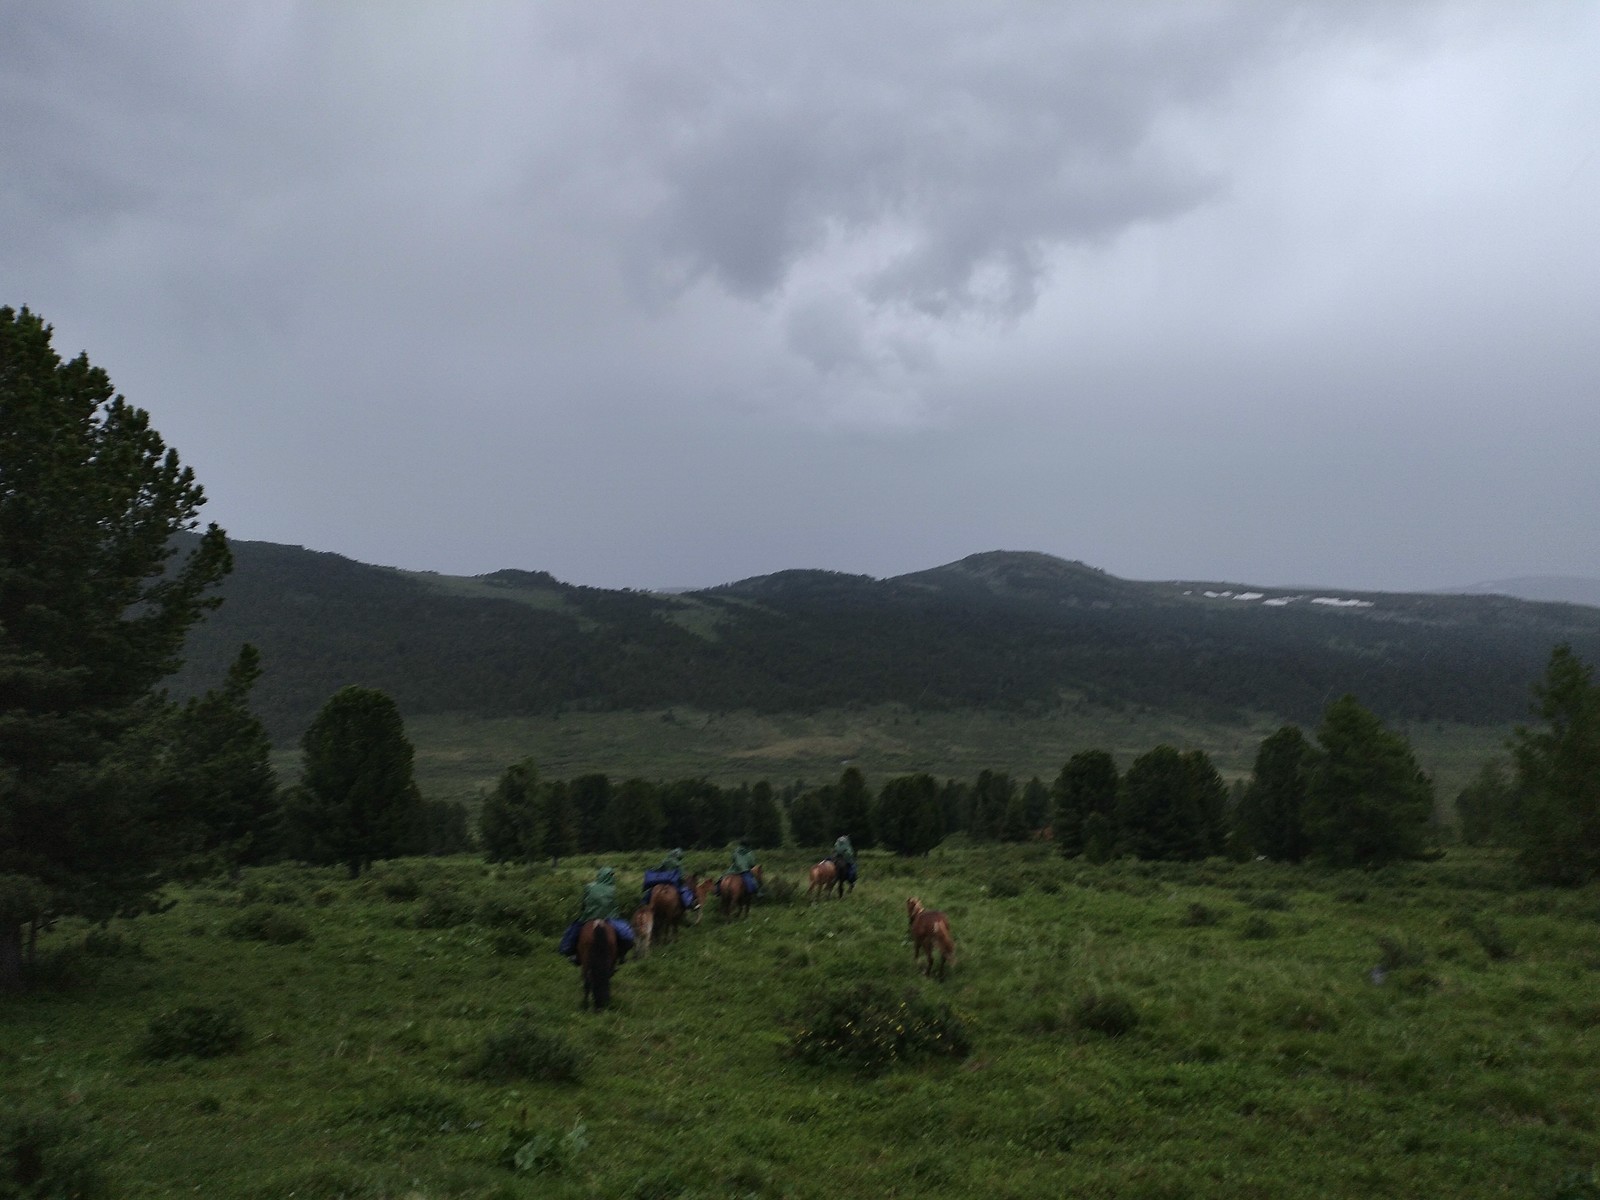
{"x":735,"y":896}
{"x":666,"y":905}
{"x":644,"y":926}
{"x":825,"y":877}
{"x":930,"y":930}
{"x":597,"y":959}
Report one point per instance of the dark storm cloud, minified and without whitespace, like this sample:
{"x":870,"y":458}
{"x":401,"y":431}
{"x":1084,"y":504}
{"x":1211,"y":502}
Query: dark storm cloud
{"x":672,"y":294}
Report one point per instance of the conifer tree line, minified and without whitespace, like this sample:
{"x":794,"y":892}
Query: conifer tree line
{"x":109,"y":789}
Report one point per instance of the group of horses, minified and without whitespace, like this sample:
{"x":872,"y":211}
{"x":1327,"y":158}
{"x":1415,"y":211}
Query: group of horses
{"x":658,"y":918}
{"x":662,"y":916}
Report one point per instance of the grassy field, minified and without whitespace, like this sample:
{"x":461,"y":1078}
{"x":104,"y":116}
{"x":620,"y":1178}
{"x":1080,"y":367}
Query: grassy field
{"x":460,"y":757}
{"x":1129,"y":1030}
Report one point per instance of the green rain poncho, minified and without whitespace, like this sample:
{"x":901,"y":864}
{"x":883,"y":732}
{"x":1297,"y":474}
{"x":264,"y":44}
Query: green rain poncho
{"x":744,"y":858}
{"x":600,"y":897}
{"x":672,"y":862}
{"x":843,"y":849}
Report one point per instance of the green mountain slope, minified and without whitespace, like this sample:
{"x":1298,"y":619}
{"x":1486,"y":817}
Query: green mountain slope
{"x":1002,"y":630}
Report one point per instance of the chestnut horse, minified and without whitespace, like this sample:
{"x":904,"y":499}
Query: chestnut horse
{"x":644,"y":927}
{"x":667,"y":908}
{"x":825,"y":877}
{"x":597,"y":959}
{"x":735,"y":898}
{"x":930,"y":930}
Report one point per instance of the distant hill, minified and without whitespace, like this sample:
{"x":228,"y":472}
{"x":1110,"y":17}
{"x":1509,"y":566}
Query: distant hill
{"x":1565,"y":589}
{"x":1015,"y":631}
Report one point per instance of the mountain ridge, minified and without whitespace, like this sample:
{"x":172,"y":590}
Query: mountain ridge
{"x":1004,"y":630}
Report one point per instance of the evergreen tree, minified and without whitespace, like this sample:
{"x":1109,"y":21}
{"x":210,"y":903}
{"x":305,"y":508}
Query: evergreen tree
{"x":1209,"y":795}
{"x":810,"y":820}
{"x":634,"y":820}
{"x":358,"y":801}
{"x":591,"y":800}
{"x":1489,"y":809}
{"x":559,"y":818}
{"x":1160,"y":814}
{"x":908,"y":816}
{"x":1367,"y":801}
{"x":1036,"y":804}
{"x":1087,"y":785}
{"x":765,"y":822}
{"x":509,"y":825}
{"x":445,"y":828}
{"x":987,"y":803}
{"x":1558,"y":774}
{"x":94,"y":605}
{"x":219,"y":770}
{"x":1271,"y":816}
{"x":851,"y":809}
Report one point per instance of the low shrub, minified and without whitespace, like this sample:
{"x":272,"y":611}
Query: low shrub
{"x":778,"y":890}
{"x":194,"y":1031}
{"x":444,"y":909}
{"x":1258,"y":928}
{"x":268,"y":923}
{"x":508,"y":943}
{"x":1397,"y":953}
{"x":104,"y":943}
{"x":1109,"y":1014}
{"x":524,"y":1051}
{"x":1198,"y":915}
{"x":47,"y":1157}
{"x":538,"y":1153}
{"x":1269,"y":902}
{"x":1005,"y":887}
{"x":870,"y":1027}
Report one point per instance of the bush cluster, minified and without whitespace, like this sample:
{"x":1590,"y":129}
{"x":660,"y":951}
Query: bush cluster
{"x":871,"y":1027}
{"x":268,"y":923}
{"x":524,"y":1051}
{"x":194,"y":1031}
{"x":45,"y":1157}
{"x":1107,"y":1013}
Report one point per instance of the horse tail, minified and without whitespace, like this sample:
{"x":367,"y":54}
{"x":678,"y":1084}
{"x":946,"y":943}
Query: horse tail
{"x":599,"y":964}
{"x":602,"y":963}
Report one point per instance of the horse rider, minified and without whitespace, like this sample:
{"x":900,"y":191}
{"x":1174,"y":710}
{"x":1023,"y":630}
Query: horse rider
{"x":670,"y":872}
{"x":599,"y":904}
{"x":744,"y":863}
{"x":844,"y":857}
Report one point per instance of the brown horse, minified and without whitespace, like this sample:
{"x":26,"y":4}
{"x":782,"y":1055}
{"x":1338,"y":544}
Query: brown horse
{"x":666,"y":906}
{"x":930,"y":930}
{"x":825,"y":877}
{"x":735,"y":897}
{"x":597,"y":959}
{"x":644,"y":928}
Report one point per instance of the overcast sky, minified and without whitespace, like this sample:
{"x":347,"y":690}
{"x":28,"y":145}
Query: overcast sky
{"x":665,"y":294}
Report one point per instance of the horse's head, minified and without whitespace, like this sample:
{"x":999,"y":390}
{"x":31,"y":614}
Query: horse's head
{"x":913,"y":907}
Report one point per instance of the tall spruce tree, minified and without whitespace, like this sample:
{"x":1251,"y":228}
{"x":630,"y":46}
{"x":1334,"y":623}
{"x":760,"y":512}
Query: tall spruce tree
{"x":220,"y":769}
{"x":95,"y":600}
{"x":357,"y":801}
{"x":1271,"y":816}
{"x":908,"y":816}
{"x":1367,"y":800}
{"x":1160,"y":813}
{"x":1086,"y":786}
{"x":1558,"y":774}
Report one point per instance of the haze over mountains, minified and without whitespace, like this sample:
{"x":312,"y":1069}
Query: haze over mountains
{"x":1007,"y":631}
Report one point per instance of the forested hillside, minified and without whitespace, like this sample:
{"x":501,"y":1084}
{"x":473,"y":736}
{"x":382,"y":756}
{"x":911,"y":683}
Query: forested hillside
{"x":1015,"y":631}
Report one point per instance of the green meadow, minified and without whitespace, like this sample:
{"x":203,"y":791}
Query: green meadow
{"x":1133,"y":1029}
{"x":460,"y":757}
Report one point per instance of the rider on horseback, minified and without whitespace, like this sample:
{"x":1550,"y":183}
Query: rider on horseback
{"x":599,"y":904}
{"x":670,"y":872}
{"x":744,"y":863}
{"x":844,"y":857}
